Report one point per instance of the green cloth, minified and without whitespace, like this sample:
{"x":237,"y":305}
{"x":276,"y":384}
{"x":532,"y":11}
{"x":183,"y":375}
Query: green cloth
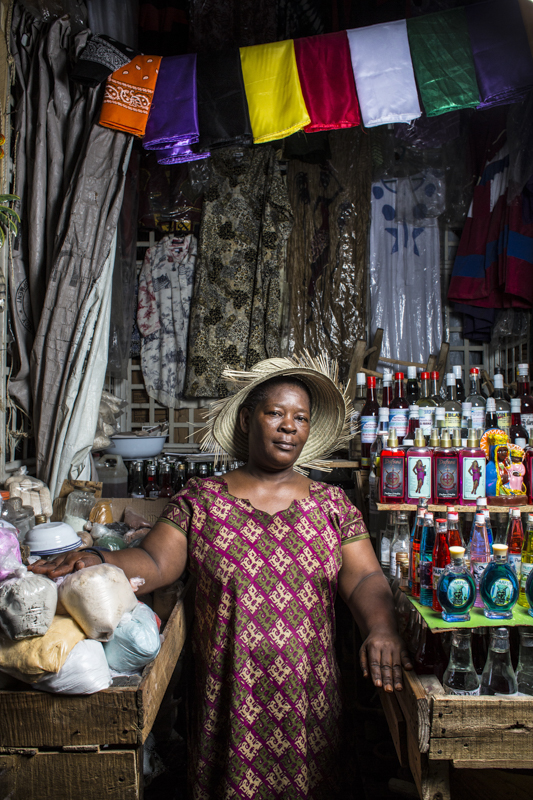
{"x":477,"y":618}
{"x":443,"y":61}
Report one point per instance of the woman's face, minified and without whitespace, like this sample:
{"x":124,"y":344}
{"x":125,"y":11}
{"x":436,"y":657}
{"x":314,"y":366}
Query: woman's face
{"x":278,"y":428}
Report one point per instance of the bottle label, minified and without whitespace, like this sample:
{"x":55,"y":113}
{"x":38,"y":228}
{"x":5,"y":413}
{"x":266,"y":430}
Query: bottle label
{"x":504,"y":420}
{"x":478,"y":417}
{"x":418,"y":477}
{"x":527,"y":422}
{"x":354,"y":422}
{"x":392,"y":476}
{"x":385,"y":550}
{"x":515,"y":561}
{"x":369,"y":429}
{"x":452,"y":419}
{"x":473,"y":477}
{"x":399,"y":419}
{"x":478,"y":568}
{"x":425,"y":420}
{"x":446,"y":477}
{"x":525,"y":569}
{"x":448,"y":690}
{"x":459,"y":592}
{"x":501,"y":592}
{"x":437,"y":572}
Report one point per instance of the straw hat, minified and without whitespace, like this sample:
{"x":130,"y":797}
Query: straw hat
{"x":330,"y":415}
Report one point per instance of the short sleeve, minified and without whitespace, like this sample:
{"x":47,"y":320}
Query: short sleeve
{"x":178,"y":512}
{"x":353,"y":529}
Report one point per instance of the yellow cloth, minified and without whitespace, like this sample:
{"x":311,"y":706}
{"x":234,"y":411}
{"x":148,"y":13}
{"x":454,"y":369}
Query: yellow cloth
{"x":275,"y":100}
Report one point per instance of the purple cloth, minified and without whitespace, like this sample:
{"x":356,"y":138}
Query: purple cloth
{"x":502,"y":57}
{"x":173,"y":120}
{"x":180,"y":153}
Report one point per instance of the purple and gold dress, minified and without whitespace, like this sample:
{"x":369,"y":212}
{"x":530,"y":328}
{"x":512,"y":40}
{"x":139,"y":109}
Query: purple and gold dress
{"x":267,"y":700}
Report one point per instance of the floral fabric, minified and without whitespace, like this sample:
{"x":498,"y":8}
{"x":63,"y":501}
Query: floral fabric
{"x":266,"y":715}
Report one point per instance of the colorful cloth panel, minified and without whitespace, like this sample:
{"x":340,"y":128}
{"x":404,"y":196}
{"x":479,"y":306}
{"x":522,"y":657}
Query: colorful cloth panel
{"x":128,"y":95}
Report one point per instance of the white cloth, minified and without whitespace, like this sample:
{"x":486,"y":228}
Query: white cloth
{"x":405,"y":292}
{"x":383,"y":72}
{"x":165,"y":290}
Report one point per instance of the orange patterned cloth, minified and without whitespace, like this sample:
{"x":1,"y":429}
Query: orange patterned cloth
{"x":128,"y":95}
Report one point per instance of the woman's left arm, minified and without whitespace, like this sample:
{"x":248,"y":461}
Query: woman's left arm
{"x":365,"y":590}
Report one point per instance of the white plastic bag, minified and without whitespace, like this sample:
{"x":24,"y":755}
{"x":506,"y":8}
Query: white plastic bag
{"x":97,"y":598}
{"x":135,"y":642}
{"x":10,"y":558}
{"x":27,"y":604}
{"x":84,"y":672}
{"x":31,"y":491}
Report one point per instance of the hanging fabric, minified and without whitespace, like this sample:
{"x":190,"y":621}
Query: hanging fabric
{"x":443,"y":61}
{"x":327,"y":81}
{"x":128,"y":95}
{"x":101,"y":56}
{"x":383,"y":72}
{"x":223,"y":116}
{"x":502,"y":55}
{"x":165,"y":290}
{"x":217,"y":26}
{"x":275,"y":100}
{"x":114,"y":18}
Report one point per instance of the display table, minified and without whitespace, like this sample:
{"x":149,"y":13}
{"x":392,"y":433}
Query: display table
{"x":477,"y":618}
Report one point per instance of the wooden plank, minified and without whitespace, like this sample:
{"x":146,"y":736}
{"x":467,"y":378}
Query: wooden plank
{"x":402,"y":363}
{"x":356,"y":364}
{"x":493,"y":784}
{"x":113,"y":774}
{"x":396,"y":723}
{"x":431,"y":777}
{"x":470,"y":717}
{"x":500,"y":746}
{"x":373,"y":359}
{"x":157,"y":675}
{"x":494,"y":763}
{"x":414,"y":704}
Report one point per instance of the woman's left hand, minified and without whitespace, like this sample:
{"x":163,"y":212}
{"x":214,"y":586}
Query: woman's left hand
{"x":382,"y":655}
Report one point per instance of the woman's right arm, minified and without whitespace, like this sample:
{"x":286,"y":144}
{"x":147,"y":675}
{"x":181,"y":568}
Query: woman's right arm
{"x":161,"y":559}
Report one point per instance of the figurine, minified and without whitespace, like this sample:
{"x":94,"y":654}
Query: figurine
{"x":505,"y":468}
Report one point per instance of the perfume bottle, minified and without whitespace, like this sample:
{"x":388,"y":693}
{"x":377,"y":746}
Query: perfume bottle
{"x":526,"y":567}
{"x":445,"y":471}
{"x":479,"y":553}
{"x":392,"y":471}
{"x":441,"y":558}
{"x":418,"y":465}
{"x":524,"y":669}
{"x":499,"y":586}
{"x":427,"y":544}
{"x":460,"y":677}
{"x":498,"y":677}
{"x":472,"y":470}
{"x":456,"y":589}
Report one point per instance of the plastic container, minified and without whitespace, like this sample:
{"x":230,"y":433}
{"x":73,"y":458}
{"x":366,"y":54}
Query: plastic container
{"x":52,"y":537}
{"x":114,"y":476}
{"x":136,"y":446}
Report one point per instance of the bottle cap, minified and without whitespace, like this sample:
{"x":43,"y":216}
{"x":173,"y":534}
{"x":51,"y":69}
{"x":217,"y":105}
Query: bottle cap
{"x":466,"y":406}
{"x":515,"y":513}
{"x":387,"y":377}
{"x":421,"y":512}
{"x":429,"y":517}
{"x":414,"y":411}
{"x":411,"y":373}
{"x":458,"y":371}
{"x":530,"y":519}
{"x":450,"y":379}
{"x":515,"y":405}
{"x":520,"y":442}
{"x":360,"y":379}
{"x":425,"y":376}
{"x":383,"y":413}
{"x":434,"y":438}
{"x":480,"y":519}
{"x":440,"y":413}
{"x":445,"y":440}
{"x":472,"y":440}
{"x":474,"y":371}
{"x":497,"y":380}
{"x":456,"y":552}
{"x":398,"y":376}
{"x":491,"y":405}
{"x":392,"y":440}
{"x":450,"y":509}
{"x":402,"y":517}
{"x":420,"y":439}
{"x":371,"y":382}
{"x":456,"y":438}
{"x":407,"y":443}
{"x":435,"y":376}
{"x":453,"y":516}
{"x":481,"y":501}
{"x":523,"y":369}
{"x":499,"y":549}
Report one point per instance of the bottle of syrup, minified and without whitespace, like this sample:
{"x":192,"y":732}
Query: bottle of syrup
{"x":399,"y":409}
{"x":412,"y":391}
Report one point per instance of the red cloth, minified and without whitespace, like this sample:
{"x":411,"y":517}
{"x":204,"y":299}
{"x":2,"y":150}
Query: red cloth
{"x":326,"y":77}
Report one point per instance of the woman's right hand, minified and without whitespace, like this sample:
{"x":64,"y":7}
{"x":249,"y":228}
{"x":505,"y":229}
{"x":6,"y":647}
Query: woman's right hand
{"x":65,"y":564}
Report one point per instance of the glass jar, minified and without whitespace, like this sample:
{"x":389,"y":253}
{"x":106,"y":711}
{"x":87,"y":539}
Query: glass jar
{"x":78,"y":508}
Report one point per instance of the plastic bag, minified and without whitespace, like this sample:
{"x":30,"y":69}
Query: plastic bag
{"x":135,"y":642}
{"x":31,"y":659}
{"x":101,"y":513}
{"x":27,"y":604}
{"x":84,"y":672}
{"x":31,"y":491}
{"x":10,"y":558}
{"x":98,"y":597}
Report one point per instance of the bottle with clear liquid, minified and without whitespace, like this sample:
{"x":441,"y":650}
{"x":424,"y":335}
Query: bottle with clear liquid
{"x":400,"y":542}
{"x":498,"y":677}
{"x":427,"y":406}
{"x":479,"y":554}
{"x":386,"y":539}
{"x":466,"y":419}
{"x":526,"y":566}
{"x":482,"y":508}
{"x":503,"y":407}
{"x":369,"y":422}
{"x":477,"y":400}
{"x":441,"y":558}
{"x":358,"y":403}
{"x":412,"y":391}
{"x":452,"y":407}
{"x":460,"y":677}
{"x":414,"y":548}
{"x":523,"y":392}
{"x":524,"y":669}
{"x":399,"y":408}
{"x":499,"y":586}
{"x":435,"y":391}
{"x":427,"y":544}
{"x":459,"y":385}
{"x":456,"y":589}
{"x":515,"y":541}
{"x":440,"y":419}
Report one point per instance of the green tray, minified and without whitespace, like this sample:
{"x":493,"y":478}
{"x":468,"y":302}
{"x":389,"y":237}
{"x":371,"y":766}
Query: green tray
{"x":477,"y":618}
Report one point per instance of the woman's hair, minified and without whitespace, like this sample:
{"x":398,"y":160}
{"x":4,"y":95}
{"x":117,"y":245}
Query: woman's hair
{"x":262,"y":390}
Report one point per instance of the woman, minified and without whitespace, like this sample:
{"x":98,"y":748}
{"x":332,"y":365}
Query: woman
{"x":269,"y":547}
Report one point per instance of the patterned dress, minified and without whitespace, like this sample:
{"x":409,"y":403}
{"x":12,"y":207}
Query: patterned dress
{"x":265,"y":723}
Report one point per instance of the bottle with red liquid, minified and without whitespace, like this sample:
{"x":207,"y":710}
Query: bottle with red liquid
{"x":472,"y":471}
{"x":399,"y":409}
{"x":529,"y":473}
{"x":419,"y":464}
{"x":392,"y":471}
{"x":515,"y":541}
{"x":517,"y":430}
{"x":386,"y":398}
{"x":369,"y":422}
{"x":414,"y":422}
{"x":441,"y":558}
{"x":445,"y":471}
{"x":151,"y":490}
{"x":454,"y":534}
{"x":526,"y":399}
{"x":165,"y":480}
{"x":430,"y":658}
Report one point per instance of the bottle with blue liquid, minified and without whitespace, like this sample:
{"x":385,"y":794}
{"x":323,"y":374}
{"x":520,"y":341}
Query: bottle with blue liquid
{"x":427,"y":544}
{"x":499,"y":587}
{"x":456,"y":589}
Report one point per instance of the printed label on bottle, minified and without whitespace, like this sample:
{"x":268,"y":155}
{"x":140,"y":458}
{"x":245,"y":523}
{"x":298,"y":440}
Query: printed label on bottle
{"x":437,"y":572}
{"x":478,"y":418}
{"x":426,"y":576}
{"x":504,"y":420}
{"x":385,"y":550}
{"x":446,"y":477}
{"x":425,"y":420}
{"x":416,"y":568}
{"x":525,"y":569}
{"x":527,"y":422}
{"x":515,"y":561}
{"x":452,"y":419}
{"x":478,"y":568}
{"x":354,"y":422}
{"x":392,"y":476}
{"x":369,"y":429}
{"x":399,"y":419}
{"x":473,"y":477}
{"x":418,"y":477}
{"x":448,"y":690}
{"x":459,"y":592}
{"x":501,"y":592}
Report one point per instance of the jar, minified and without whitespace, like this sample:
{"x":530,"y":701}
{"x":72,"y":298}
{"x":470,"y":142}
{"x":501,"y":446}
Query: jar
{"x":78,"y":508}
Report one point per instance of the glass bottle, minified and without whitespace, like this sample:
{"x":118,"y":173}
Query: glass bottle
{"x":460,"y":677}
{"x":466,"y":419}
{"x":414,"y":422}
{"x":203,"y":471}
{"x":435,"y":391}
{"x":400,"y":542}
{"x":515,"y":541}
{"x":375,"y":456}
{"x":427,"y":406}
{"x":524,"y":669}
{"x":412,"y":391}
{"x":456,"y":589}
{"x":472,"y":471}
{"x":523,"y":392}
{"x":441,"y":558}
{"x":386,"y":398}
{"x":478,"y":401}
{"x":427,"y":543}
{"x":452,"y":407}
{"x":419,"y":463}
{"x":499,"y":371}
{"x":440,"y":419}
{"x":358,"y":403}
{"x":414,"y":549}
{"x":369,"y":422}
{"x":430,"y":657}
{"x":526,"y":565}
{"x":503,"y":408}
{"x":459,"y":385}
{"x":385,"y":543}
{"x":137,"y":480}
{"x":491,"y":418}
{"x":480,"y":648}
{"x":517,"y":430}
{"x":499,"y":586}
{"x":498,"y":677}
{"x":445,"y":471}
{"x":164,"y":479}
{"x":151,"y":490}
{"x":399,"y":408}
{"x":392,"y":471}
{"x":181,"y":477}
{"x":479,"y":553}
{"x":454,"y":534}
{"x":482,"y":508}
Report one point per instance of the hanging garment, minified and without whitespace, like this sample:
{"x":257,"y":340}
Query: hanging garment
{"x":102,"y":56}
{"x":275,"y":100}
{"x":405,"y":293}
{"x":128,"y":95}
{"x":502,"y":56}
{"x":327,"y":81}
{"x":236,"y":305}
{"x":443,"y":61}
{"x":165,"y":290}
{"x":493,"y":267}
{"x":223,"y":116}
{"x":383,"y":72}
{"x":217,"y":26}
{"x":114,"y":18}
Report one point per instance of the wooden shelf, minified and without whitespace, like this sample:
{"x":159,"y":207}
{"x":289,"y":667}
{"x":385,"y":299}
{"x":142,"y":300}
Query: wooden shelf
{"x":442,"y":509}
